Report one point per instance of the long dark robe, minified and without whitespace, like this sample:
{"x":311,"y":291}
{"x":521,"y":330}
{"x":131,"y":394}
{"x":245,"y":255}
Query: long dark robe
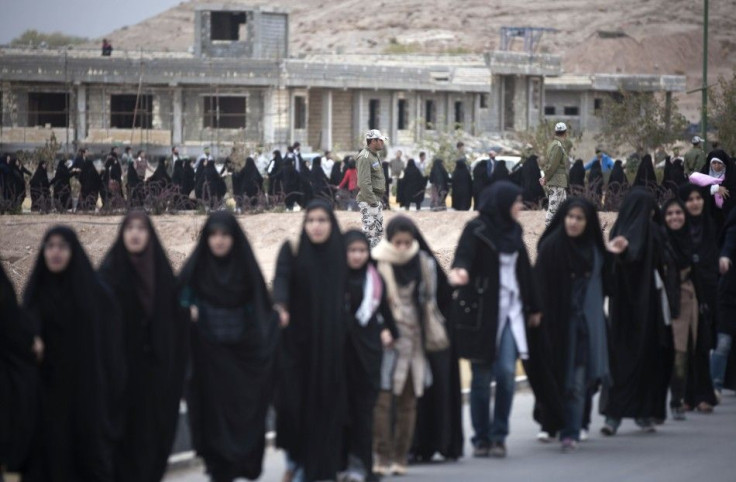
{"x":290,"y":182}
{"x":413,"y":185}
{"x":155,"y":339}
{"x":462,"y":186}
{"x":159,"y":180}
{"x":62,"y":188}
{"x":500,"y":173}
{"x":729,"y":182}
{"x":577,"y":178}
{"x":18,"y":379}
{"x":336,"y":174}
{"x":275,"y":174}
{"x":251,"y":180}
{"x":311,"y":397}
{"x":40,"y":189}
{"x":439,"y":177}
{"x":727,"y":296}
{"x":618,"y":186}
{"x":177,"y":175}
{"x":481,"y":180}
{"x":532,"y":191}
{"x":319,"y":182}
{"x":571,"y":277}
{"x":136,"y":188}
{"x":232,"y":347}
{"x":690,"y":250}
{"x":439,"y":424}
{"x":82,"y":375}
{"x":595,"y":183}
{"x":363,"y":356}
{"x":673,"y":178}
{"x":89,"y":180}
{"x":646,"y":177}
{"x":640,"y":343}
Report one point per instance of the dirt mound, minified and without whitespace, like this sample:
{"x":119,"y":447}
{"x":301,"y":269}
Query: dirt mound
{"x":20,"y":235}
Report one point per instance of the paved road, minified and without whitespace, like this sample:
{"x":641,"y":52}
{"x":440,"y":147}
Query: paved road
{"x":701,"y":449}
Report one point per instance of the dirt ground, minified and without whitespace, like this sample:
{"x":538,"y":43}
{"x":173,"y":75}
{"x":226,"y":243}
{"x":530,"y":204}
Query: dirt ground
{"x":20,"y":235}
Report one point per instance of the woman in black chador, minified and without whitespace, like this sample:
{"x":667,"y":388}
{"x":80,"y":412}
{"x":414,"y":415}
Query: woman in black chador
{"x":577,"y":178}
{"x":136,"y":189}
{"x":371,"y":327}
{"x":232,"y":347}
{"x":18,"y":378}
{"x":320,"y":183}
{"x":569,"y":351}
{"x":462,"y":186}
{"x":155,"y":333}
{"x":529,"y":175}
{"x":251,"y":183}
{"x":413,"y":186}
{"x":77,"y":327}
{"x":639,"y":307}
{"x":62,"y":187}
{"x":617,"y":187}
{"x":646,"y":177}
{"x":311,"y":397}
{"x":595,"y":183}
{"x":40,"y":189}
{"x":90,"y":186}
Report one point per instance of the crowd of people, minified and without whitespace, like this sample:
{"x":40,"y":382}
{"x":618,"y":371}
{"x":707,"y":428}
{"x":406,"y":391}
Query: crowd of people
{"x":358,"y":349}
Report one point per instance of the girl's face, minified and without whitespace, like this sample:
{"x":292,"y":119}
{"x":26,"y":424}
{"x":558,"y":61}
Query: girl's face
{"x":318,"y":226}
{"x":220,"y":243}
{"x":674,"y":216}
{"x":357,"y":255}
{"x":695,"y":203}
{"x":57,"y":253}
{"x":575,"y":222}
{"x":135,"y":236}
{"x":402,"y":241}
{"x":717,"y":166}
{"x":516,"y":208}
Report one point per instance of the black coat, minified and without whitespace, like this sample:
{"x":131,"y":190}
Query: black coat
{"x":477,"y":254}
{"x":462,"y":187}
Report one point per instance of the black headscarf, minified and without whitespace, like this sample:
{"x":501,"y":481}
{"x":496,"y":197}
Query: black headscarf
{"x":701,"y":227}
{"x":40,"y":178}
{"x":495,"y":211}
{"x":645,"y":175}
{"x":222,"y":281}
{"x":680,"y":241}
{"x":532,"y":191}
{"x":617,"y":174}
{"x":576,"y":253}
{"x":356,"y":277}
{"x":638,"y":211}
{"x":595,"y":178}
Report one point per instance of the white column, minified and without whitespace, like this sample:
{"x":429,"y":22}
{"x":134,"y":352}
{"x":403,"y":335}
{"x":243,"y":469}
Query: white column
{"x":269,"y":114}
{"x":393,"y":130}
{"x":326,"y":120}
{"x":177,"y":125}
{"x":358,"y":118}
{"x":81,"y":112}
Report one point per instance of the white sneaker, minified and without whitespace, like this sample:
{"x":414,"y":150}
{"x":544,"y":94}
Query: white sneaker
{"x":583,"y":435}
{"x":543,"y":437}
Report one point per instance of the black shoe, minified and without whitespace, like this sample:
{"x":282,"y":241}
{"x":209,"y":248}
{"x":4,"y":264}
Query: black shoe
{"x":481,"y":449}
{"x":498,"y":450}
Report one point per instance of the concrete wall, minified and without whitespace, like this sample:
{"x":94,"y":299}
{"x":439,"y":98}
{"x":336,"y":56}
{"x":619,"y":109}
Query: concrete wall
{"x":343,"y":138}
{"x":193,"y":115}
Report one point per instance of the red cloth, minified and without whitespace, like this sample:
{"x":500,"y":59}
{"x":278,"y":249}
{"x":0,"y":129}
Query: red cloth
{"x":351,"y":179}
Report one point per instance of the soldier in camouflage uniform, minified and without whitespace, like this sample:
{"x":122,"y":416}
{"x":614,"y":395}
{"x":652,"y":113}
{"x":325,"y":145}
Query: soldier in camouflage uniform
{"x":555,"y":170}
{"x":695,"y":157}
{"x":372,"y":186}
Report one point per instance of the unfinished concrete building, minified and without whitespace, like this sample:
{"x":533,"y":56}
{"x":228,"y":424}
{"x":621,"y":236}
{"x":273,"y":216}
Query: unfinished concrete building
{"x":239,"y":84}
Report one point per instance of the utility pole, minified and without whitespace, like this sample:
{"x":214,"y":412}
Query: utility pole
{"x":704,"y":108}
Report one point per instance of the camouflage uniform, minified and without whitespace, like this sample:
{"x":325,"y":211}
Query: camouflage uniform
{"x":372,"y":185}
{"x":556,"y":175}
{"x":694,"y":160}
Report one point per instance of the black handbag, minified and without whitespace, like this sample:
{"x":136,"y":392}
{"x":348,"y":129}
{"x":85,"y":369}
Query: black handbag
{"x":468,"y":302}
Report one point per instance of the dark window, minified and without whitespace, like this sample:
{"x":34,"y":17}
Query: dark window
{"x":403,"y":123}
{"x":300,"y":112}
{"x":483,"y":101}
{"x":128,"y":111}
{"x":617,"y":97}
{"x":572,"y":110}
{"x":459,"y":115}
{"x":374,"y":113}
{"x":430,"y":115}
{"x":550,"y":110}
{"x":597,"y":105}
{"x":222,"y":112}
{"x":227,"y":26}
{"x":48,"y":108}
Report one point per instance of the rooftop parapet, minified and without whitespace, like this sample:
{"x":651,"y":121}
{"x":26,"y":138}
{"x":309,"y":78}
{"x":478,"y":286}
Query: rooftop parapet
{"x":520,"y":63}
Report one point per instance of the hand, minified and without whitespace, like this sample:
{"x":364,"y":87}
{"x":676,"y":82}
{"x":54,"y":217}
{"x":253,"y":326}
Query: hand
{"x":724,"y":264}
{"x":386,"y":339}
{"x":617,"y":245}
{"x":535,"y":319}
{"x":723,"y":192}
{"x":459,"y":277}
{"x":542,"y":181}
{"x":283,"y":316}
{"x":194,"y":313}
{"x":38,"y":348}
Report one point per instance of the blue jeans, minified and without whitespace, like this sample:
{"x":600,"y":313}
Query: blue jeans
{"x":504,"y":371}
{"x":575,"y":405}
{"x":719,"y":360}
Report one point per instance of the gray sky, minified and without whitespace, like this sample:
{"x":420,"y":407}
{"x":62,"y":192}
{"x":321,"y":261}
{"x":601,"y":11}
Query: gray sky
{"x":86,"y":18}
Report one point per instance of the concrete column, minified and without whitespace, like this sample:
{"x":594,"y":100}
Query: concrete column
{"x":326,"y":120}
{"x":418,"y":120}
{"x":81,"y":133}
{"x":269,"y":114}
{"x":584,"y":110}
{"x":449,"y":113}
{"x":177,"y":125}
{"x":393,"y":129}
{"x":358,"y":117}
